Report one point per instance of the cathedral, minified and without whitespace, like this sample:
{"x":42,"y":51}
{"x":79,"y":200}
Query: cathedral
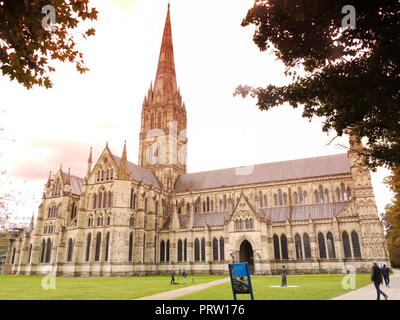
{"x":314,"y":215}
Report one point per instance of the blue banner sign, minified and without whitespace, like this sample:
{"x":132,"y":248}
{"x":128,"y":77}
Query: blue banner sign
{"x":240,"y":279}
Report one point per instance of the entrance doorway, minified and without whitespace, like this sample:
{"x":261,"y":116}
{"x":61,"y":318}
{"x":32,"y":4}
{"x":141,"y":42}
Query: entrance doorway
{"x":246,"y":255}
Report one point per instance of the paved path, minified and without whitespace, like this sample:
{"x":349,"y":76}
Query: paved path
{"x":169,"y":295}
{"x":369,"y":292}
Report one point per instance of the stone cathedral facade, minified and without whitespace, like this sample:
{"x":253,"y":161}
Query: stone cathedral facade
{"x":314,"y":215}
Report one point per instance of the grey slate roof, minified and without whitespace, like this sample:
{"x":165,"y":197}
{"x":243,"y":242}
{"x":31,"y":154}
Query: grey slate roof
{"x":76,"y":183}
{"x":267,"y":172}
{"x":138,"y":173}
{"x":303,"y":212}
{"x":276,"y":214}
{"x":212,"y":219}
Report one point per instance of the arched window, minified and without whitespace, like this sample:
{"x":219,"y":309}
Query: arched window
{"x":70,"y":250}
{"x":48,"y":251}
{"x":43,"y":251}
{"x":109,"y":199}
{"x":167,"y":251}
{"x":326,"y":195}
{"x":221,"y":249}
{"x":162,"y":251}
{"x":45,"y":229}
{"x":343,"y":191}
{"x":265,"y":200}
{"x":299,"y":196}
{"x":145,"y":205}
{"x":105,"y":198}
{"x":88,"y":241}
{"x":98,"y":247}
{"x":285,"y":199}
{"x":299,"y":248}
{"x":185,"y":250}
{"x":275,"y":200}
{"x":284,"y":247}
{"x":180,"y":250}
{"x":251,"y":223}
{"x":346,"y":244}
{"x":99,"y":220}
{"x":132,"y":221}
{"x":215,"y":249}
{"x":225,"y":202}
{"x":203,"y":249}
{"x":321,"y":245}
{"x":307,"y":247}
{"x":107,"y":246}
{"x":100,"y":200}
{"x":296,"y":199}
{"x":280,"y":197}
{"x":109,"y":220}
{"x":108,"y":174}
{"x":338,"y":198}
{"x":331,"y":245}
{"x":321,"y":194}
{"x":112,"y":174}
{"x":277,"y":251}
{"x":348,"y":191}
{"x":316,"y":196}
{"x":356,"y":244}
{"x":130,"y":252}
{"x":261,"y":199}
{"x":196,"y":250}
{"x":94,"y":201}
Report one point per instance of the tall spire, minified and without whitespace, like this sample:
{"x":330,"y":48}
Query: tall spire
{"x":166,"y":78}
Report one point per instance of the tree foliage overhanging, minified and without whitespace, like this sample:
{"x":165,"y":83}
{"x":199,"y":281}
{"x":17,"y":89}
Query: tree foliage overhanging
{"x":26,"y":48}
{"x":392,"y":218}
{"x":350,"y":77}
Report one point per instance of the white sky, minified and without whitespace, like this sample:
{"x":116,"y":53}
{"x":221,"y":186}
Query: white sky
{"x":213,"y":54}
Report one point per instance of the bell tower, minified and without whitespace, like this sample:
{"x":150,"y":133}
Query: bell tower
{"x":162,"y":139}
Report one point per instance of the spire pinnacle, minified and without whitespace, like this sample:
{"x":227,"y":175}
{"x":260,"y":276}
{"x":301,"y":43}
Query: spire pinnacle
{"x":68,"y":181}
{"x":90,"y":156}
{"x":166,"y":78}
{"x":123,"y":171}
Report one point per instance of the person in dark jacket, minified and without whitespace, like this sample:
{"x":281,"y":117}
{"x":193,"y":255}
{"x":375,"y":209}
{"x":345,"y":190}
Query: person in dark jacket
{"x":385,"y":274}
{"x":284,"y":273}
{"x":376,"y":277}
{"x":173,"y":277}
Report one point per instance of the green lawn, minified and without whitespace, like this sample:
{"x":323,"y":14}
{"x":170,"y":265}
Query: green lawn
{"x":312,"y":287}
{"x":14,"y":287}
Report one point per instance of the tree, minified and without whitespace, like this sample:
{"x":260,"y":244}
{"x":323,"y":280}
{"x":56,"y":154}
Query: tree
{"x":348,"y":76}
{"x":392,"y":218}
{"x":26,"y":47}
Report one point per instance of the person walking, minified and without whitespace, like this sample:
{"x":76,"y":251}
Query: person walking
{"x":173,"y":277}
{"x":376,"y":277}
{"x":284,"y":273}
{"x":184,"y":274}
{"x":385,"y":274}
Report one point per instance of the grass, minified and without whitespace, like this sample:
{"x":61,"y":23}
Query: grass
{"x":311,"y":287}
{"x":14,"y":287}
